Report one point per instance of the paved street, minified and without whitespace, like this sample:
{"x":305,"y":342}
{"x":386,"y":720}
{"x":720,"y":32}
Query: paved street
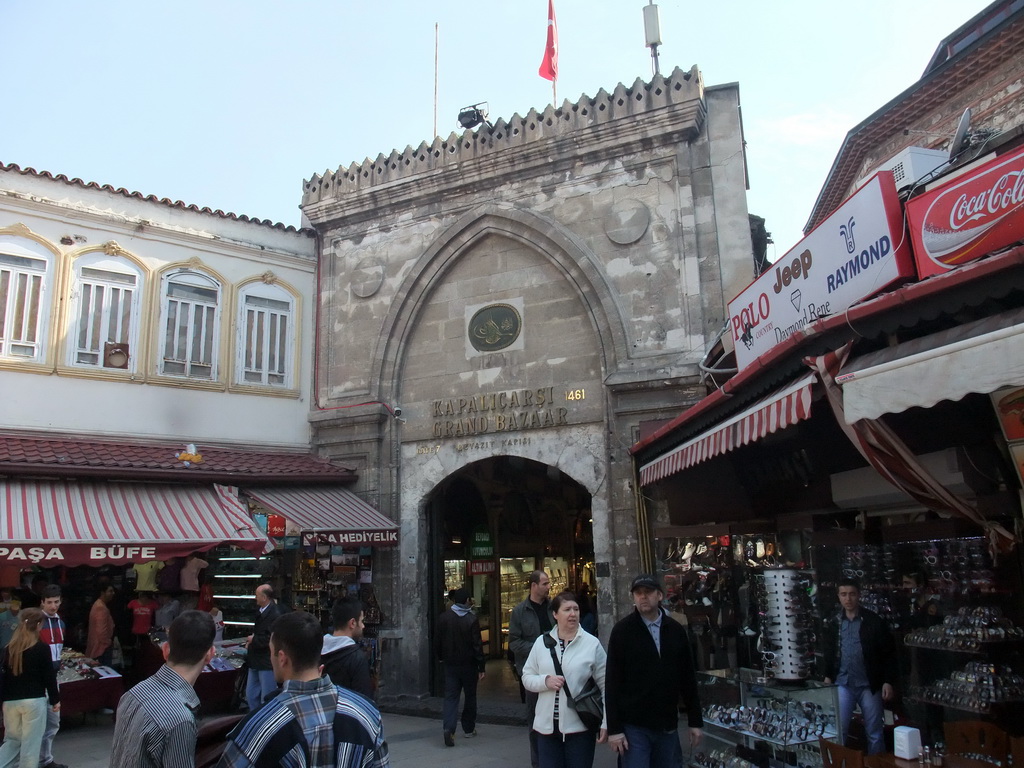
{"x":413,"y":741}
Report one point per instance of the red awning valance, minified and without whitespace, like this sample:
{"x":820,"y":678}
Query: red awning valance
{"x":330,"y":515}
{"x":780,"y":409}
{"x":56,"y":522}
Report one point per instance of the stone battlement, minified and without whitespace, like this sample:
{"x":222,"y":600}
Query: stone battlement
{"x":640,"y":99}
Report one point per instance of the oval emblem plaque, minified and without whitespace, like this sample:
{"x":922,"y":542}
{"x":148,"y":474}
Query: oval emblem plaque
{"x":494,"y":327}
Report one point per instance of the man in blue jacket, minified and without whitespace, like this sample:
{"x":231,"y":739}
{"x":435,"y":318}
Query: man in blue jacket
{"x":860,"y":657}
{"x":649,"y":674}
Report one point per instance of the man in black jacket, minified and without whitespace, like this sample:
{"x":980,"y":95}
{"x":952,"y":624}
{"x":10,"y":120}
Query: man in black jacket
{"x":860,"y":656}
{"x":260,"y":683}
{"x":343,"y":659}
{"x":650,"y":673}
{"x":460,"y":649}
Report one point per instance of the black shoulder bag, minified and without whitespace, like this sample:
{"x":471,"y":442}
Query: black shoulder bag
{"x":589,"y":704}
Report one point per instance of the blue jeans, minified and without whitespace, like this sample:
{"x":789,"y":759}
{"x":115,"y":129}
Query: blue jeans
{"x":459,"y":678}
{"x":24,"y":722}
{"x":570,"y":750}
{"x":52,"y":726}
{"x":258,"y":686}
{"x":651,"y":748}
{"x":871,"y":709}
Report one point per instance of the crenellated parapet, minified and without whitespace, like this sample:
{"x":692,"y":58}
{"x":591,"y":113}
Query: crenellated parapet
{"x":668,"y":108}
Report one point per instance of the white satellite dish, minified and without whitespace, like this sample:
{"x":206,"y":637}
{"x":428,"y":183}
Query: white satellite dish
{"x":959,"y":143}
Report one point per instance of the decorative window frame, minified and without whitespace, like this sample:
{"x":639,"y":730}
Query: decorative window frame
{"x":109,"y":257}
{"x":19,"y":241}
{"x":268,"y":286}
{"x":196,"y":274}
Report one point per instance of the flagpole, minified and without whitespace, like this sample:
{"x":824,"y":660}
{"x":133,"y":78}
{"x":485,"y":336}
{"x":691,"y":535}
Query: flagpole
{"x":435,"y":79}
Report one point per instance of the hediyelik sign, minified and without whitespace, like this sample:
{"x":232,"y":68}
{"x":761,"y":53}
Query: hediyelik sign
{"x":854,"y":253}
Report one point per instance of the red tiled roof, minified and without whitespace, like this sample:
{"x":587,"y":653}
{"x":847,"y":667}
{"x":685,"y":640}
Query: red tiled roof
{"x":148,"y":198}
{"x":85,"y":457}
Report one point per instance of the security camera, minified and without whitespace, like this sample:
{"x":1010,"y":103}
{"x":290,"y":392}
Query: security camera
{"x":398,"y":411}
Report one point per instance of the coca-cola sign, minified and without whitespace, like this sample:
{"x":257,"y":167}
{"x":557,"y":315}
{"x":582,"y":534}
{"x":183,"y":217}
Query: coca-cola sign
{"x":970,"y":216}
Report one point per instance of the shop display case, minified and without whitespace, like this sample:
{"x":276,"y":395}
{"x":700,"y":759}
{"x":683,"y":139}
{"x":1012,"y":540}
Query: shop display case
{"x":454,"y":575}
{"x":514,"y":585}
{"x":758,"y":719}
{"x":234,"y":575}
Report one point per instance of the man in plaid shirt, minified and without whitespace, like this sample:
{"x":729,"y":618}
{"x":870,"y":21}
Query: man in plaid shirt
{"x":311,"y":723}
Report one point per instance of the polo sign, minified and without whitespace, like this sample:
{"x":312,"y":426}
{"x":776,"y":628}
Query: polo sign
{"x":970,"y":216}
{"x":853,"y":254}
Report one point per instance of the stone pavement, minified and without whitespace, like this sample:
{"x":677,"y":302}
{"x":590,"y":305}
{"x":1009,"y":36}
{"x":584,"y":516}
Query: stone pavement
{"x":412,"y":741}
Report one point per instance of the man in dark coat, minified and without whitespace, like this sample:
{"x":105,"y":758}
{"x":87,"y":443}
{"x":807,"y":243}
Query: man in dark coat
{"x":261,"y":683}
{"x":461,"y":651}
{"x":650,"y":672}
{"x":343,"y":658}
{"x":860,"y":656}
{"x":529,"y":620}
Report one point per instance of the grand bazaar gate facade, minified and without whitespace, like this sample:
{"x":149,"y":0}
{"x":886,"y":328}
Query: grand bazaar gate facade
{"x":499,"y":311}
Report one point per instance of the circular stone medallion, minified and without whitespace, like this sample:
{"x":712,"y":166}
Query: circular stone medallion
{"x":367,"y":277}
{"x":627,"y":221}
{"x":494,"y":327}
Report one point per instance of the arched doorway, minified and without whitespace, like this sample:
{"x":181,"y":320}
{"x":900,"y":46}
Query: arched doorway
{"x":493,"y":522}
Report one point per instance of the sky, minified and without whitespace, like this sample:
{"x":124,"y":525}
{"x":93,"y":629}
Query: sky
{"x":231,"y":104}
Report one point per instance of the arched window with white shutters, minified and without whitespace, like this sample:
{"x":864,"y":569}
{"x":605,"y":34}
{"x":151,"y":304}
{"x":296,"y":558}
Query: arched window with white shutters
{"x":266,"y":343}
{"x":190,"y":324}
{"x":26,"y":279}
{"x":106,"y":295}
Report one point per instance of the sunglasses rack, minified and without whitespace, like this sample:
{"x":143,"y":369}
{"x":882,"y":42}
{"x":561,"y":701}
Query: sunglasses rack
{"x":786,"y":643}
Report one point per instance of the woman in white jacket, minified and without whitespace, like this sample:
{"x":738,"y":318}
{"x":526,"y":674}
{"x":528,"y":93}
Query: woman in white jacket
{"x":563,"y":741}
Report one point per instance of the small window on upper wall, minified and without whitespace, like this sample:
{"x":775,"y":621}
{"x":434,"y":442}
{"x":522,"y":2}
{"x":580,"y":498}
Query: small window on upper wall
{"x":191,"y":325}
{"x":267,"y":336}
{"x":25,"y":277}
{"x":105,"y":311}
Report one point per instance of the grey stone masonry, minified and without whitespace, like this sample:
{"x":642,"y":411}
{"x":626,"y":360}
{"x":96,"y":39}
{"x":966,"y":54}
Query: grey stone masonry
{"x":607,"y":235}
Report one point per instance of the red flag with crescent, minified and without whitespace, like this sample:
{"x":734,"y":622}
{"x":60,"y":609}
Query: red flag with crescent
{"x":549,"y":66}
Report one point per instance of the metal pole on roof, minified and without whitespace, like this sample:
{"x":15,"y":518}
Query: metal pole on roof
{"x":652,"y":33}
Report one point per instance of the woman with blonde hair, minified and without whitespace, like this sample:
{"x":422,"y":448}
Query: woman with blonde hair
{"x":28,"y":681}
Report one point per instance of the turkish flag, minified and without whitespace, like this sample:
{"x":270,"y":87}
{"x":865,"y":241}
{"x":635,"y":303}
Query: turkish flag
{"x":549,"y":66}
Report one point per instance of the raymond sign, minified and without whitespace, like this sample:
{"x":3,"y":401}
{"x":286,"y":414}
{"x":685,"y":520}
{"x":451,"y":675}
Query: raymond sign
{"x":853,"y":254}
{"x":970,"y":216}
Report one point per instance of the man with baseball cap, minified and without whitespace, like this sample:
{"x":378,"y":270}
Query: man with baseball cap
{"x":649,"y":676}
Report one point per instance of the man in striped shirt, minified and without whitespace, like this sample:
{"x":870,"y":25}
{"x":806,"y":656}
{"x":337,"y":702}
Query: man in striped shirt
{"x":311,"y":723}
{"x":156,"y":719}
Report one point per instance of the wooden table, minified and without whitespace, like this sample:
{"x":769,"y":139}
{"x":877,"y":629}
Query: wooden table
{"x":81,"y":696}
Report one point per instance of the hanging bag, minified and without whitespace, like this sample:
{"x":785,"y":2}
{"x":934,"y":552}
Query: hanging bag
{"x":589,"y":704}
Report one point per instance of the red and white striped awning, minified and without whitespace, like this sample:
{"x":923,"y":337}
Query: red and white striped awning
{"x":57,"y":522}
{"x":329,"y":515}
{"x":779,"y":410}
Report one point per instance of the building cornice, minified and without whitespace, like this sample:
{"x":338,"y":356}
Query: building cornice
{"x":666,"y":111}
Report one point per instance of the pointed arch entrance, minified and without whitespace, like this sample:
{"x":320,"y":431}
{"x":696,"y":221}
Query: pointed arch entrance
{"x":492,"y":523}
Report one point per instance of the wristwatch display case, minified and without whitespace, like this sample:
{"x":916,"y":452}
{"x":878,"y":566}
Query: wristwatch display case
{"x":763,"y":721}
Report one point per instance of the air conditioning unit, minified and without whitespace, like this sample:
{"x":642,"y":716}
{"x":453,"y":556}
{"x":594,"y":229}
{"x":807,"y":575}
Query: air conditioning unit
{"x":865,"y":489}
{"x":910,"y":165}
